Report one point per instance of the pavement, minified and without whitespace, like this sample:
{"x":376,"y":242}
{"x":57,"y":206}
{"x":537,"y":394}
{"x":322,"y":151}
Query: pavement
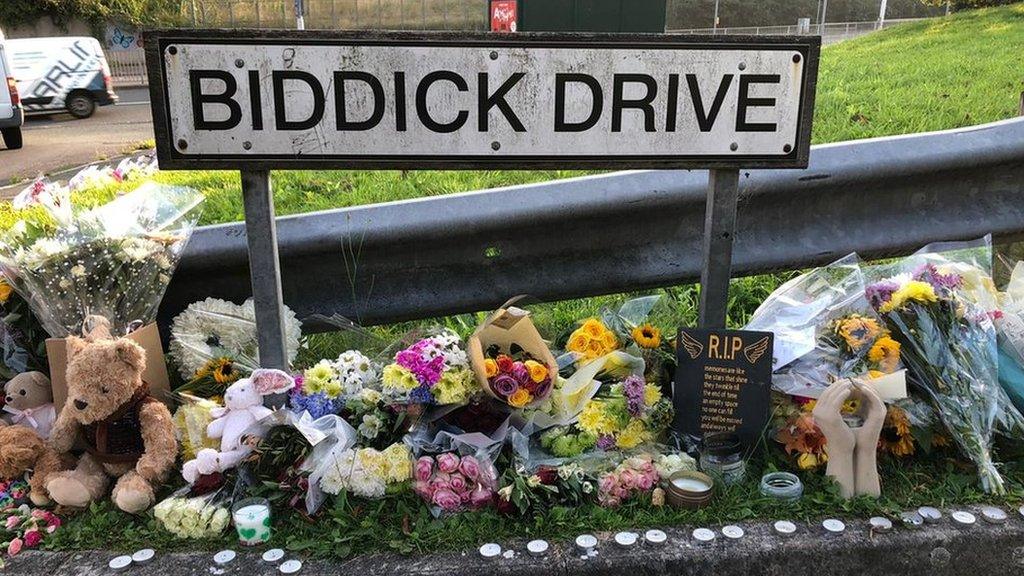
{"x":55,"y":142}
{"x":942,"y":549}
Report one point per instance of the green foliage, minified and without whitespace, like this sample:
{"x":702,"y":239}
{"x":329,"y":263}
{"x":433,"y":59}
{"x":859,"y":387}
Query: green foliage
{"x":15,"y":13}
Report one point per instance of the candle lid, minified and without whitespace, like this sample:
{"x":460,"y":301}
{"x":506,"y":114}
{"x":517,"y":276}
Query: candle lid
{"x":834,"y":526}
{"x":994,"y":515}
{"x":586,"y":541}
{"x":784,"y":528}
{"x":880,"y":524}
{"x":290,"y":566}
{"x":273,"y":555}
{"x":143,"y":556}
{"x":931,"y":514}
{"x":224,"y":556}
{"x":964,"y":518}
{"x":655,"y":537}
{"x":732,"y":532}
{"x":120,"y":563}
{"x":490,"y":550}
{"x":703,"y":535}
{"x":912,"y":519}
{"x":537,"y":547}
{"x":626,"y":539}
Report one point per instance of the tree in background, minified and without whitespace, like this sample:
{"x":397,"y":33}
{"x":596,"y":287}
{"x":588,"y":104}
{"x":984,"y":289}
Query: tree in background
{"x":15,"y":13}
{"x":742,"y":13}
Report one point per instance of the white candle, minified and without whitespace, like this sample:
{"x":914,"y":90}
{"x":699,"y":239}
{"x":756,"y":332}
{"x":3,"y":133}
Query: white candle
{"x":253,"y":524}
{"x":691,"y":484}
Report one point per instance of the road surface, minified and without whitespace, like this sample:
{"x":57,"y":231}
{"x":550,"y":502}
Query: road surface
{"x":58,"y":141}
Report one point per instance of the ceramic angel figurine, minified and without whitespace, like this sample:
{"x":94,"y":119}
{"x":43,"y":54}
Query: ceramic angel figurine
{"x":852,"y":449}
{"x":240,"y":417}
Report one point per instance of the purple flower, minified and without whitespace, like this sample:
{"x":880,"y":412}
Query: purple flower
{"x":880,"y":292}
{"x":521,"y":374}
{"x":633,"y":388}
{"x":421,"y":395}
{"x":504,"y":385}
{"x":944,"y":284}
{"x":543,"y":388}
{"x":606,"y":442}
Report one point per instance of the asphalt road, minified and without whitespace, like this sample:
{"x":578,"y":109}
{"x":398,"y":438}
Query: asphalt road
{"x":55,"y":142}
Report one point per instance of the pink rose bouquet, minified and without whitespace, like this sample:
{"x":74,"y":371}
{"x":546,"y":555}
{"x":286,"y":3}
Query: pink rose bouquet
{"x":634,"y":477}
{"x":26,"y":527}
{"x":452,"y":483}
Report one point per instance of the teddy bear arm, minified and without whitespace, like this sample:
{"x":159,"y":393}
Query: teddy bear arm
{"x":161,"y":448}
{"x":63,"y":433}
{"x":215,"y":429}
{"x":49,"y":462}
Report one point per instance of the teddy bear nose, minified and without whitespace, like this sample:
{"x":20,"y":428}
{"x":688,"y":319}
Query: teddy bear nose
{"x":81,"y":405}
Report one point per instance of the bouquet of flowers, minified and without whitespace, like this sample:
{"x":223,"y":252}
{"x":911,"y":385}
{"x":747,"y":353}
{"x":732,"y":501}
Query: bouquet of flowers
{"x":567,"y":441}
{"x":636,"y":476}
{"x":22,"y":339}
{"x":114,"y":260}
{"x":366,"y":472}
{"x":518,"y":380}
{"x":451,"y":483}
{"x":949,"y":343}
{"x":27,"y":527}
{"x":592,"y":340}
{"x":434,"y":370}
{"x":197,"y":517}
{"x":191,"y":419}
{"x":548,"y":486}
{"x":13,"y":493}
{"x":511,"y":360}
{"x":212,"y":379}
{"x":626,"y":414}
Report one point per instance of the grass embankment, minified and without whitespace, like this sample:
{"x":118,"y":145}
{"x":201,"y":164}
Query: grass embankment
{"x":925,"y":76}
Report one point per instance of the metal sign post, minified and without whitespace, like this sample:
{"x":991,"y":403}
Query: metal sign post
{"x":261,"y":100}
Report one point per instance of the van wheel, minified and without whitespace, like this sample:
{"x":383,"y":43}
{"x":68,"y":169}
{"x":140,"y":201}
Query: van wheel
{"x":12,"y":138}
{"x":80,"y":104}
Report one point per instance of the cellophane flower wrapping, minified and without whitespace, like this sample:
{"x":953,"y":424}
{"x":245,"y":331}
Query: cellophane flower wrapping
{"x":454,"y":470}
{"x":114,"y":260}
{"x":195,"y":517}
{"x":824,"y":329}
{"x":948,"y":341}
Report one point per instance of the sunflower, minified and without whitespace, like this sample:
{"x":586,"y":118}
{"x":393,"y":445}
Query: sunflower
{"x":647,"y":336}
{"x":885,"y":352}
{"x":5,"y":291}
{"x":858,"y":331}
{"x":896,"y":438}
{"x":223,"y":371}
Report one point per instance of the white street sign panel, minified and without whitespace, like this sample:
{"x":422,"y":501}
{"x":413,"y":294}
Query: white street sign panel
{"x":435,"y":101}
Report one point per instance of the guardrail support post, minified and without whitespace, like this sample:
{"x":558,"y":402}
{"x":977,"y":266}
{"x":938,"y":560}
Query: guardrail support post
{"x":264,"y":268}
{"x":719,"y":228}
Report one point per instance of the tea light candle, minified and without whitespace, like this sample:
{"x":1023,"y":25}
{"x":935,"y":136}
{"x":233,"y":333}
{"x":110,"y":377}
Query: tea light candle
{"x":143,"y":556}
{"x":224,"y":557}
{"x":586,"y":542}
{"x":120,"y":563}
{"x":880,"y":524}
{"x":732,"y":532}
{"x":490,"y":550}
{"x":784,"y":528}
{"x":834,"y":526}
{"x":930,"y":514}
{"x":655,"y":537}
{"x":963,"y":518}
{"x":290,"y":567}
{"x":273,"y":555}
{"x":994,"y":515}
{"x":688,"y":484}
{"x":912,"y":520}
{"x":252,"y":521}
{"x":537,"y":547}
{"x":626,"y":539}
{"x":703,"y":535}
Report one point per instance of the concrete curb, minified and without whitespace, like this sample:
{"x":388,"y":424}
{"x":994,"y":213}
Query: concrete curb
{"x":934,"y":550}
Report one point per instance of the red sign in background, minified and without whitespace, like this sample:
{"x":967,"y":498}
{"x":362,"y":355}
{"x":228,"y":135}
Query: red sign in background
{"x":504,"y":14}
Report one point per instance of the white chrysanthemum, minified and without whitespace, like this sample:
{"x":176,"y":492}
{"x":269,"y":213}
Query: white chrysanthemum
{"x":356,"y":371}
{"x":213,"y":328}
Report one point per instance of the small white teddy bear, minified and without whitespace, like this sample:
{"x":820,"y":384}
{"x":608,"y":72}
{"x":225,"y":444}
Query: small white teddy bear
{"x":240,"y":417}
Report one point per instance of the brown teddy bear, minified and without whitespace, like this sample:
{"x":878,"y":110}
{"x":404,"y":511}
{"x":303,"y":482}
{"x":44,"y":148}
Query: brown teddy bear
{"x":127,"y":433}
{"x":29,"y":402}
{"x":21,"y":449}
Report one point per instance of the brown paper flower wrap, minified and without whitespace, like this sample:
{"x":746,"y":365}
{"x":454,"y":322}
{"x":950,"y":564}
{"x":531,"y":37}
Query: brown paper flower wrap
{"x":510,"y":360}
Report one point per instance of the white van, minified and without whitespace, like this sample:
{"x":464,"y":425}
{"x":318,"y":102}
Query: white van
{"x":67,"y":73}
{"x":11,"y":114}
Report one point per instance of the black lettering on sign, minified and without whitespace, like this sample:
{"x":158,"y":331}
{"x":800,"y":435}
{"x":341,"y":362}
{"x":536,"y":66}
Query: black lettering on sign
{"x":421,"y":101}
{"x":278,"y":78}
{"x":486,"y":101}
{"x":255,"y":100}
{"x":400,"y":101}
{"x":746,"y":101}
{"x":671,"y":109}
{"x":706,"y":121}
{"x":340,"y":80}
{"x":597,"y":102}
{"x":620,"y":103}
{"x":200,"y":99}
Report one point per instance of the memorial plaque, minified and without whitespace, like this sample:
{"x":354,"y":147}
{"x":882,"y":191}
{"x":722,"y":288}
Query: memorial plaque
{"x":723,"y":382}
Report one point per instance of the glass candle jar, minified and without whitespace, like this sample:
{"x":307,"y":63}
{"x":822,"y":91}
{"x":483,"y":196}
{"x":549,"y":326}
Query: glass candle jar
{"x":252,"y":521}
{"x":722,"y":457}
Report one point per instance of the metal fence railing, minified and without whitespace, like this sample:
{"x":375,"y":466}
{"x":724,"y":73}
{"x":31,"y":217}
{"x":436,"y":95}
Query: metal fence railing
{"x":128,"y":67}
{"x":831,"y":32}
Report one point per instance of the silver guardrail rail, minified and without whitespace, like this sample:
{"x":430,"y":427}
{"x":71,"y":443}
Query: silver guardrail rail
{"x":622,"y":231}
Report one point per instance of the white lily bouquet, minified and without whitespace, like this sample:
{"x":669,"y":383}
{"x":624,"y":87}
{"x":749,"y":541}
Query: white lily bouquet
{"x":114,"y":260}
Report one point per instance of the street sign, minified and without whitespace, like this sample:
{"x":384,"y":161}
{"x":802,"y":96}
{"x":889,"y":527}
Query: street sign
{"x":238,"y":99}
